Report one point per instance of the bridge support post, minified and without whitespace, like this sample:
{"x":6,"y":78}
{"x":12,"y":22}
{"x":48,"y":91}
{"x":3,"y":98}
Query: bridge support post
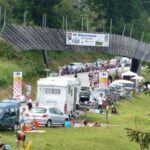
{"x":45,"y":57}
{"x":135,"y":66}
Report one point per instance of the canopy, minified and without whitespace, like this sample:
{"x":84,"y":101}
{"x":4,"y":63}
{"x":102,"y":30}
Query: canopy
{"x":129,"y":73}
{"x":121,"y":81}
{"x":138,"y":78}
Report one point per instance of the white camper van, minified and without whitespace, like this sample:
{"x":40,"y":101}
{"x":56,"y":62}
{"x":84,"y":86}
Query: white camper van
{"x":60,"y":92}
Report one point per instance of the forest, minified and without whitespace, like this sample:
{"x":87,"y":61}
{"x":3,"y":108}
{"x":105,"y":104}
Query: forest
{"x":130,"y":18}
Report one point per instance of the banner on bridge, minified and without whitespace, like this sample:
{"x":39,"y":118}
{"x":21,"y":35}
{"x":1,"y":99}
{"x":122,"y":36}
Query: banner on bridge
{"x":87,"y":39}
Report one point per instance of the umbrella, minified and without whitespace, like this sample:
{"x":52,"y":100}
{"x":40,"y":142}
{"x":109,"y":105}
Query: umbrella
{"x":129,"y":73}
{"x":138,"y":78}
{"x":121,"y":81}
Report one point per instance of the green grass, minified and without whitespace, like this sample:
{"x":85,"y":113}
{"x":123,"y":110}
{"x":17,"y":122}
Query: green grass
{"x":132,"y":114}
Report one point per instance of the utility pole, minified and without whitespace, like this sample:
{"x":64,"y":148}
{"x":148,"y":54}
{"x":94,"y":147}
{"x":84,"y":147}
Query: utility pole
{"x":0,"y":16}
{"x":110,"y":26}
{"x":82,"y":23}
{"x":44,"y":20}
{"x":131,"y":30}
{"x":124,"y":28}
{"x":87,"y":23}
{"x":25,"y":18}
{"x":5,"y":16}
{"x":66,"y":23}
{"x":63,"y":23}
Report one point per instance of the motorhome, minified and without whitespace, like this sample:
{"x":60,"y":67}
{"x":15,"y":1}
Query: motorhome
{"x":60,"y":92}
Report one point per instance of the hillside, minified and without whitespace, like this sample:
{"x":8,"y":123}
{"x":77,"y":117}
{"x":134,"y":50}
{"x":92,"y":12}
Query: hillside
{"x":32,"y":65}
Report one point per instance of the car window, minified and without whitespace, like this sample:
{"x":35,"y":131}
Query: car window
{"x":1,"y":112}
{"x":39,"y":110}
{"x":12,"y":112}
{"x":72,"y":64}
{"x":57,"y":111}
{"x":7,"y":112}
{"x":51,"y":110}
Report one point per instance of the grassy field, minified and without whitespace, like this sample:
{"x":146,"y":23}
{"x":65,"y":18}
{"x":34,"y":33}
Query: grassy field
{"x":132,"y":114}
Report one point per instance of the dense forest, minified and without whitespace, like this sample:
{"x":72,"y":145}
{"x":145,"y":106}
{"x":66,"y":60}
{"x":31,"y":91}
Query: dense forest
{"x":84,"y":15}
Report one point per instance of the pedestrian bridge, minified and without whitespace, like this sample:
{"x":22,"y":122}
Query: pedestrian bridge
{"x":43,"y":38}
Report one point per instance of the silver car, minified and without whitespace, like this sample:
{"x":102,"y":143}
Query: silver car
{"x":46,"y":115}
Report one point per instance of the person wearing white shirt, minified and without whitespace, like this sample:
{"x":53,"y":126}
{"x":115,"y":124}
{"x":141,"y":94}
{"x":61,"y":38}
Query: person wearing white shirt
{"x":101,"y":99}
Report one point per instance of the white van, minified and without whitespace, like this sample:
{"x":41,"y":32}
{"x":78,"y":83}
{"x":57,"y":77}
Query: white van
{"x":60,"y":92}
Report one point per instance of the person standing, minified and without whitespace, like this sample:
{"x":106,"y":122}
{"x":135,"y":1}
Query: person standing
{"x":20,"y":136}
{"x":101,"y":100}
{"x":23,"y":116}
{"x":29,"y":103}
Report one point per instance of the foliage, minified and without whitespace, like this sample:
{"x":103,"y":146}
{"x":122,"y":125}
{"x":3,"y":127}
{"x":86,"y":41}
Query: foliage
{"x":143,"y":139}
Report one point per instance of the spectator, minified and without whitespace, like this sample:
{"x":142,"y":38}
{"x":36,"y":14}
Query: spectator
{"x":114,"y":111}
{"x":23,"y":116}
{"x":67,"y":123}
{"x":101,"y":100}
{"x":76,"y":75}
{"x":20,"y":136}
{"x":29,"y":103}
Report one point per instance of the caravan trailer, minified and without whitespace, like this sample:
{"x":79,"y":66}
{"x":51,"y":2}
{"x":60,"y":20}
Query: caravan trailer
{"x":59,"y":92}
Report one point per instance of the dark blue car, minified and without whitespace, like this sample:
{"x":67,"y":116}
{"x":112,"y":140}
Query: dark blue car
{"x":9,"y":115}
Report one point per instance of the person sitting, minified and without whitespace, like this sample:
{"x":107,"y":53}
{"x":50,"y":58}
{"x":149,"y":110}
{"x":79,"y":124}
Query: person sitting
{"x":114,"y":110}
{"x":67,"y":123}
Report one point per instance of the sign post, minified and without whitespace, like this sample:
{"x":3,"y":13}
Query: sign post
{"x":17,"y":84}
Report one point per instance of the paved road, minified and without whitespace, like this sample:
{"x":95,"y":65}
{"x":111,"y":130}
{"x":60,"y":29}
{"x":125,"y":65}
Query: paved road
{"x":83,"y":77}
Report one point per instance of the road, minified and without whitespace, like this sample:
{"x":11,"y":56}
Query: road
{"x":83,"y":77}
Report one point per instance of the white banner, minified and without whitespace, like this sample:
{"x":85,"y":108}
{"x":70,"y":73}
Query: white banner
{"x":87,"y":39}
{"x":17,"y":85}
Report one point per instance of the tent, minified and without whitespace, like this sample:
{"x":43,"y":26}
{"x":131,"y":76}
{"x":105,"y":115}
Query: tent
{"x":121,"y":81}
{"x":128,"y":75}
{"x":138,"y":78}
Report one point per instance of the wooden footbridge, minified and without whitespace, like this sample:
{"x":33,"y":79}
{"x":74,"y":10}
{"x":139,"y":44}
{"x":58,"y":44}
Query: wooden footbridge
{"x":43,"y":38}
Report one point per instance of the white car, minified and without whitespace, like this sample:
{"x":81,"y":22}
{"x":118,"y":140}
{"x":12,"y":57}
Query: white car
{"x":46,"y":115}
{"x":76,"y":67}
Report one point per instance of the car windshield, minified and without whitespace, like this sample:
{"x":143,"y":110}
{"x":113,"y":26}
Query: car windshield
{"x":85,"y":88}
{"x":1,"y":112}
{"x":127,"y":85}
{"x":39,"y":110}
{"x":113,"y":89}
{"x":96,"y":93}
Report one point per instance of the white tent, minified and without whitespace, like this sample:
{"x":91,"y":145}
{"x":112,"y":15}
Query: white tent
{"x":128,"y":74}
{"x":121,"y":81}
{"x":138,"y":78}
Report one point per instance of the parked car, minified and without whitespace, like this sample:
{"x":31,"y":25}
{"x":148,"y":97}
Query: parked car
{"x":46,"y":115}
{"x":84,"y":94}
{"x":76,"y":67}
{"x":120,"y":90}
{"x":114,"y":90}
{"x":106,"y":93}
{"x":9,"y":115}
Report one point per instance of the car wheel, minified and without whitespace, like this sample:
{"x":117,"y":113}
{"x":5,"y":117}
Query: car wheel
{"x":49,"y":123}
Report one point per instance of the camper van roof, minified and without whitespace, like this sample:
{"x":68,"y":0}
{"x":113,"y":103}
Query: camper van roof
{"x":58,"y":81}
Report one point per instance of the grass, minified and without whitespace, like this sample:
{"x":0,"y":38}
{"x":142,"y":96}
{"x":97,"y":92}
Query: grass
{"x":132,"y":114}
